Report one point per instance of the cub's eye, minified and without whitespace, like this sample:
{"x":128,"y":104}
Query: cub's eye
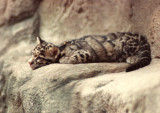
{"x":38,"y":47}
{"x":35,"y":55}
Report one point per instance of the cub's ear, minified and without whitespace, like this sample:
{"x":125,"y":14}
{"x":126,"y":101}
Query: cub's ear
{"x":39,"y":40}
{"x":55,"y":51}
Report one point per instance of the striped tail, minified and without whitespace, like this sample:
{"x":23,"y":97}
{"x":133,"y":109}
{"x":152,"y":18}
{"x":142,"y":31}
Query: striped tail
{"x":144,"y":55}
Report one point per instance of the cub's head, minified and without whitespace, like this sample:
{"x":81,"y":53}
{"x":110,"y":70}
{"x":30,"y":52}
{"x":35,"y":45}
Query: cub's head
{"x":43,"y":54}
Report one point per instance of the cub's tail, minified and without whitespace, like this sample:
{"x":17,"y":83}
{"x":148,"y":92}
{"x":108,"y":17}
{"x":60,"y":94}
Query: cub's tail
{"x":144,"y":55}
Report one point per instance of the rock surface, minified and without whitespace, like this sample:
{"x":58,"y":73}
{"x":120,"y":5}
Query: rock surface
{"x":154,"y":32}
{"x":49,"y":91}
{"x":83,"y":88}
{"x":89,"y":88}
{"x":135,"y":92}
{"x":13,"y":11}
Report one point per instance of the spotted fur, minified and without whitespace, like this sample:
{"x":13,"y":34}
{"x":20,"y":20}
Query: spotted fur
{"x":114,"y":47}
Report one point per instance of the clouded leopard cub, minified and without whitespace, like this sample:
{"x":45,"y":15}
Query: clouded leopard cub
{"x":114,"y":47}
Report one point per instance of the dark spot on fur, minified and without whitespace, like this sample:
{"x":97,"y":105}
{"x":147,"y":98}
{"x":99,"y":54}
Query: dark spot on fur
{"x":104,"y":37}
{"x":143,"y":42}
{"x":81,"y":55}
{"x":42,"y":51}
{"x":145,"y":47}
{"x":87,"y":56}
{"x":136,"y":41}
{"x":76,"y":57}
{"x":112,"y":43}
{"x":82,"y":59}
{"x":128,"y":33}
{"x":48,"y":61}
{"x":142,"y":38}
{"x":145,"y":54}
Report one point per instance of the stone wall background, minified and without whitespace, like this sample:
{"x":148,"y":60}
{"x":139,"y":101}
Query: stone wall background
{"x":58,"y":20}
{"x":61,"y":20}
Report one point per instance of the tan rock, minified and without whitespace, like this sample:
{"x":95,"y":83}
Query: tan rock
{"x":75,"y":18}
{"x":135,"y":92}
{"x":13,"y":11}
{"x":85,"y":88}
{"x":154,"y":32}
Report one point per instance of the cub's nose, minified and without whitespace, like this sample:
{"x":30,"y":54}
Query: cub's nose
{"x":30,"y":63}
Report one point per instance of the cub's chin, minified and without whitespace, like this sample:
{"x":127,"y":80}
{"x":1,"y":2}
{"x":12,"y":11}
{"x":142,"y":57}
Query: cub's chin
{"x":35,"y":66}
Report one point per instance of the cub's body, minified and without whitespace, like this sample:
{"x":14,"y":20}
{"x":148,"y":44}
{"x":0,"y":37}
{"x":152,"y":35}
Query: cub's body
{"x":114,"y":47}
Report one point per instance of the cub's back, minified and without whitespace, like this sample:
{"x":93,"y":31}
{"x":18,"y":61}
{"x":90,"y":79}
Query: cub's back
{"x":102,"y":47}
{"x":113,"y":47}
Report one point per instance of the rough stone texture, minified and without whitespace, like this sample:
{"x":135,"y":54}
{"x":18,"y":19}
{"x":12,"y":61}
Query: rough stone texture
{"x":19,"y":23}
{"x":135,"y":92}
{"x":13,"y":11}
{"x":48,"y":91}
{"x":75,"y":18}
{"x":58,"y":89}
{"x":83,"y":88}
{"x":21,"y":32}
{"x":154,"y":32}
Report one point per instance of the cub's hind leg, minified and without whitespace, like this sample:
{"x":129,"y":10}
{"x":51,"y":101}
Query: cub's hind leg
{"x":140,"y":48}
{"x":132,"y":59}
{"x":79,"y":56}
{"x":140,"y":61}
